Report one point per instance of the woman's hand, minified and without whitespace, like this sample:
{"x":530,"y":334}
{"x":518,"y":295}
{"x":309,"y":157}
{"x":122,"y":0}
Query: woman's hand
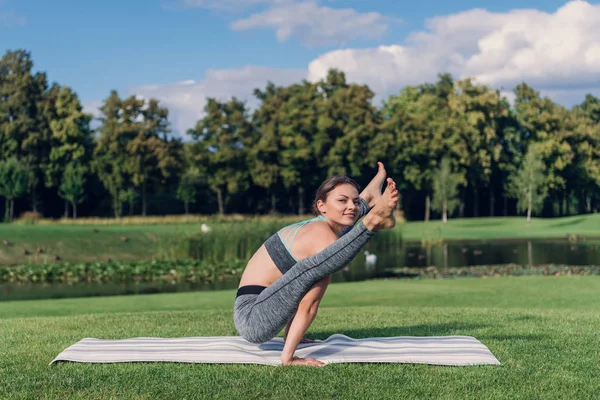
{"x":310,"y":362}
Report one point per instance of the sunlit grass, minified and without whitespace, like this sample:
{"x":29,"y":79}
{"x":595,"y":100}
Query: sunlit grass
{"x":503,"y":228}
{"x":543,"y":329}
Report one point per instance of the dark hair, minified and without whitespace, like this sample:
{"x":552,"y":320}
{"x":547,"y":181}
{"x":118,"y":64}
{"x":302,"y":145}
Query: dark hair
{"x":327,"y":186}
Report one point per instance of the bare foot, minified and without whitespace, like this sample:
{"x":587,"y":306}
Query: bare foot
{"x":381,"y":215}
{"x":310,"y":362}
{"x":372,"y":192}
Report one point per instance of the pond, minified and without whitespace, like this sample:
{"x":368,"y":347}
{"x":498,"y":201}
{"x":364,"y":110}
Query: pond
{"x":442,"y":256}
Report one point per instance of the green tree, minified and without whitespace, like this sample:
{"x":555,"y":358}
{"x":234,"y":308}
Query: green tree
{"x":72,"y":187}
{"x":128,"y":196}
{"x":72,"y":140}
{"x":297,"y":119}
{"x":528,"y":185}
{"x":263,"y":152}
{"x":445,"y":189}
{"x":220,"y":137}
{"x":110,"y":155}
{"x":543,"y":122}
{"x":24,"y":131}
{"x":421,"y":122}
{"x":478,"y":112}
{"x":350,"y":123}
{"x":584,"y":138}
{"x":186,"y":190}
{"x":151,"y":154}
{"x":14,"y":180}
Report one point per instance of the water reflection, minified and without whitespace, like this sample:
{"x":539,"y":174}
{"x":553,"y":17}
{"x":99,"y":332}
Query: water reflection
{"x":473,"y":253}
{"x":367,"y":265}
{"x":524,"y":252}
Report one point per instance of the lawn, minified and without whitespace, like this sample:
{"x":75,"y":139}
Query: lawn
{"x":503,"y":228}
{"x":545,"y":331}
{"x":83,"y":243}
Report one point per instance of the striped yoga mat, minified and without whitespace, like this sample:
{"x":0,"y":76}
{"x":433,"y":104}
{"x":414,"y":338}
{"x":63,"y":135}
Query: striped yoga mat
{"x":437,"y":350}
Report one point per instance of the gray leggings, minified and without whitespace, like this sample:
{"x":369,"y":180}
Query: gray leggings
{"x":260,"y":317}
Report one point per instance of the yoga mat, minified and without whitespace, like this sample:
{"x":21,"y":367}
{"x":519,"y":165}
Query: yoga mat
{"x":435,"y":350}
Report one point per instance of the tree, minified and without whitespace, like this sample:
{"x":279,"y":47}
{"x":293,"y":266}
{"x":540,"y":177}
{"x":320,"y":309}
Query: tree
{"x":528,"y":184}
{"x":149,"y":155}
{"x":128,"y":196}
{"x":424,"y":130}
{"x":72,"y":186}
{"x":263,"y":152}
{"x":478,"y":112}
{"x":109,"y":157}
{"x":584,"y":138}
{"x":24,"y":126}
{"x":14,"y":182}
{"x":72,"y":139}
{"x":72,"y":143}
{"x":186,"y":191}
{"x":134,"y":149}
{"x":298,"y":123}
{"x":543,"y":122}
{"x":220,"y":136}
{"x":445,"y":189}
{"x":348,"y":118}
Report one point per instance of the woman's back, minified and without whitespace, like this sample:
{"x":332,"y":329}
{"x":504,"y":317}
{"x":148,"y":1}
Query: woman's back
{"x":299,"y":240}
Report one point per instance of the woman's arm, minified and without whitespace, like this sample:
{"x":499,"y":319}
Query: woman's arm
{"x":308,"y":298}
{"x":307,"y":311}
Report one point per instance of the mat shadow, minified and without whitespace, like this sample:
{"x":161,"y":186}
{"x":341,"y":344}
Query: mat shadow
{"x":534,"y":337}
{"x":453,"y":329}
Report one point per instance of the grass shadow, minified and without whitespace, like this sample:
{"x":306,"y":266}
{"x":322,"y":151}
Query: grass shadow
{"x":526,"y":318}
{"x":568,"y":223}
{"x":491,"y":224}
{"x":413,"y":330}
{"x":530,"y":337}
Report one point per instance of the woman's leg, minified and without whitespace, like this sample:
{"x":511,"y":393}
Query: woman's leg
{"x":259,"y":318}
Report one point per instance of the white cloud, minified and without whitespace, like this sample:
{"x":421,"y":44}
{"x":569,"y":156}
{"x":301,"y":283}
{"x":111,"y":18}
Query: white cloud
{"x":316,"y":25}
{"x":11,"y":19}
{"x":553,"y":52}
{"x":186,"y":99}
{"x":556,"y":53}
{"x":226,"y":5}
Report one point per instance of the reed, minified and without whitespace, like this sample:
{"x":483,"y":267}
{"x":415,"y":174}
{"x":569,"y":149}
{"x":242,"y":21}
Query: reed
{"x":234,"y":241}
{"x":209,"y":238}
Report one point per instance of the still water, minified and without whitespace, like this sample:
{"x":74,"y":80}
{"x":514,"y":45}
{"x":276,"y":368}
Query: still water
{"x":448,"y":255}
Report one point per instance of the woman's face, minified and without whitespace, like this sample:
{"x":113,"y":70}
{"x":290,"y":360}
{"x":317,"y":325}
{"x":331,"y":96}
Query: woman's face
{"x":341,"y":206}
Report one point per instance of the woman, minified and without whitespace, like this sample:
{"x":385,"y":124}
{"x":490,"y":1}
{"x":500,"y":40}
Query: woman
{"x":286,"y":278}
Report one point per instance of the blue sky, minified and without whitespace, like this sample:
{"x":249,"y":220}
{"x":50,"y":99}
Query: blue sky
{"x":181,"y":51}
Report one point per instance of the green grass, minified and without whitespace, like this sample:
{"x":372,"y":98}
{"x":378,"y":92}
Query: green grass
{"x":503,"y":228}
{"x":79,"y":243}
{"x":545,"y":331}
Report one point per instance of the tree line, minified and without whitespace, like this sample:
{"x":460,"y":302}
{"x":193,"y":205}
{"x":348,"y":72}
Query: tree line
{"x":455,"y":148}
